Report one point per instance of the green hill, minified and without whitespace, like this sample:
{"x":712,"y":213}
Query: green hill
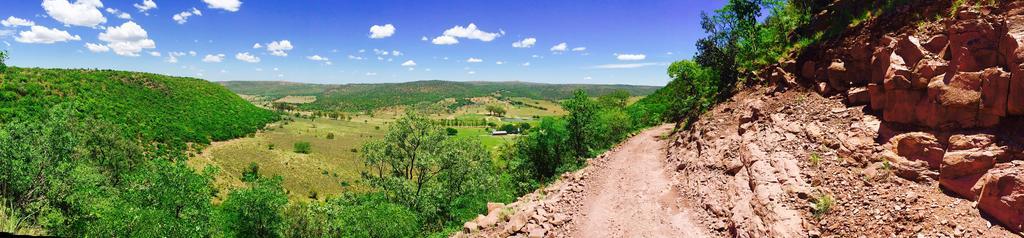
{"x":101,"y":153}
{"x":150,"y":106}
{"x":358,"y":97}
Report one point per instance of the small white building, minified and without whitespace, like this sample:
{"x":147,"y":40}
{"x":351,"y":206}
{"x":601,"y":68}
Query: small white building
{"x":499,"y":133}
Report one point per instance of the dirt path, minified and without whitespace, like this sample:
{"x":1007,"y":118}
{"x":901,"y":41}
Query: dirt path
{"x":631,"y":194}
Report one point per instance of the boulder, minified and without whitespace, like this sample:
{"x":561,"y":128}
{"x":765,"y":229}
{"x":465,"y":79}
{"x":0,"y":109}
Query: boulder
{"x":995,"y":86}
{"x":967,"y":162}
{"x":877,"y":96}
{"x":491,"y":206}
{"x":880,"y":59}
{"x":910,"y":170}
{"x":973,"y":41}
{"x":470,"y":227}
{"x":909,"y":48}
{"x":808,"y":70}
{"x":837,"y":76}
{"x":900,"y":105}
{"x":537,"y":232}
{"x":936,"y":44}
{"x":516,"y":222}
{"x":1013,"y":53}
{"x":926,"y":70}
{"x":918,"y":146}
{"x":858,"y":96}
{"x":1001,"y":194}
{"x":963,"y":186}
{"x":897,"y":75}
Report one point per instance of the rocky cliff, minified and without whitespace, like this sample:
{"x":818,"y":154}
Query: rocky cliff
{"x":949,"y":93}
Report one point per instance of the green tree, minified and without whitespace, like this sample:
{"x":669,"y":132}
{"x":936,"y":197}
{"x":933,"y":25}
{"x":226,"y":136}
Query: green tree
{"x":496,"y":110}
{"x":3,"y":61}
{"x":616,"y":99}
{"x":418,"y":166}
{"x":451,"y":131}
{"x":582,"y":111}
{"x":544,"y":150}
{"x":255,"y":211}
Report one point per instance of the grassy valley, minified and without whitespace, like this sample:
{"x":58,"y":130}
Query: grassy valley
{"x":364,"y":97}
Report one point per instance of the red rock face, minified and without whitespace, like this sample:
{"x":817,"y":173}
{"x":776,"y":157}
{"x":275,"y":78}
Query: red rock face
{"x":1001,"y":194}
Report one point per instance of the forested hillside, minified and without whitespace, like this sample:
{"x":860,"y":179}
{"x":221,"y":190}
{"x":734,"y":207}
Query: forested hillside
{"x":101,"y":153}
{"x":146,"y":106}
{"x":360,"y":97}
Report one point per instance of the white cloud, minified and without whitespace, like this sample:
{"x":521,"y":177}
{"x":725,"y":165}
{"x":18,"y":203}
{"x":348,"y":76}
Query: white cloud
{"x":229,"y":5}
{"x":396,"y":53}
{"x":445,"y":40}
{"x":119,"y":14}
{"x":499,"y":62}
{"x":424,"y":38}
{"x":279,"y":48}
{"x":317,"y":58}
{"x":474,"y":60}
{"x":409,"y":63}
{"x":257,"y":46}
{"x":560,"y":47}
{"x":145,"y":6}
{"x":624,"y":66}
{"x":525,"y":43}
{"x":192,"y":53}
{"x":128,"y":39}
{"x":172,"y":57}
{"x":579,"y":49}
{"x":81,"y":13}
{"x":12,"y":21}
{"x":371,"y":74}
{"x":245,"y":56}
{"x":630,"y":57}
{"x":214,"y":58}
{"x":471,"y":72}
{"x":96,"y":48}
{"x":154,"y":53}
{"x":587,"y":78}
{"x":182,"y":17}
{"x":385,"y":31}
{"x":526,"y":64}
{"x":353,"y":57}
{"x":43,"y":35}
{"x":471,"y":32}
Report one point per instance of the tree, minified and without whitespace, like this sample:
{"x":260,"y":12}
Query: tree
{"x":581,"y":110}
{"x":496,"y":110}
{"x":3,"y":61}
{"x":451,"y":131}
{"x":616,"y":99}
{"x":255,"y":211}
{"x":418,"y":166}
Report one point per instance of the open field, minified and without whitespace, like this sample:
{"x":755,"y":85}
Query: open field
{"x":331,"y":163}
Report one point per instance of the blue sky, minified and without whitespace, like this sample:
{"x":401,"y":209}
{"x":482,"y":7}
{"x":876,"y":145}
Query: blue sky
{"x":626,"y":42}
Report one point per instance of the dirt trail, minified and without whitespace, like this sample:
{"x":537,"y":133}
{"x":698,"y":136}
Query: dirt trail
{"x":631,"y":195}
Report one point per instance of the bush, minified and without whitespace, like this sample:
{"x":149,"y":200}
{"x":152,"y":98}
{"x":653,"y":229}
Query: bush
{"x":255,"y":211}
{"x":330,"y":135}
{"x":451,"y":131}
{"x":302,"y":147}
{"x":3,"y":60}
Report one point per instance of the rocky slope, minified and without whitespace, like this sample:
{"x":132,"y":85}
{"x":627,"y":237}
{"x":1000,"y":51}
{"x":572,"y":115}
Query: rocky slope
{"x":901,"y":127}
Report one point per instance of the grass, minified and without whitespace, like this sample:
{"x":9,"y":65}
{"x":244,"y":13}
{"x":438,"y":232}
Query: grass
{"x":303,"y":173}
{"x":815,"y":159}
{"x":822,"y":205}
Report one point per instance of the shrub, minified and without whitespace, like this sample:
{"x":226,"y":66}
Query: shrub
{"x":330,"y":136}
{"x":302,"y":147}
{"x":451,"y":131}
{"x":822,"y":205}
{"x":270,"y":146}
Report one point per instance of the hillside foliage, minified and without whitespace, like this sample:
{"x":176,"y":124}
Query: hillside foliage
{"x":364,"y":97}
{"x":91,"y":153}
